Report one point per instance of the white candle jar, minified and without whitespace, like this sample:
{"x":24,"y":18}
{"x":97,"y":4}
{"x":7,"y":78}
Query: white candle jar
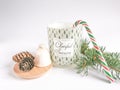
{"x":64,"y":43}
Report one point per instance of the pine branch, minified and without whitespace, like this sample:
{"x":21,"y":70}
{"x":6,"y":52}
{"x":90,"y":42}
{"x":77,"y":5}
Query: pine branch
{"x":89,"y":59}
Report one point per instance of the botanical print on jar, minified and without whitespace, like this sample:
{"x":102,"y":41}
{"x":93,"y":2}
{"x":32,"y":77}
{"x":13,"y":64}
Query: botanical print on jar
{"x":64,"y":43}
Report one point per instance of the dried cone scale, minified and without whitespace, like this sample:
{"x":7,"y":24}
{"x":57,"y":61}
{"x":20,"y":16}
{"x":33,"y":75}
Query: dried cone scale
{"x":26,"y":64}
{"x":27,"y":67}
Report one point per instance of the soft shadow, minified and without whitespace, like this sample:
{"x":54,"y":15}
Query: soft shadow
{"x":98,"y":76}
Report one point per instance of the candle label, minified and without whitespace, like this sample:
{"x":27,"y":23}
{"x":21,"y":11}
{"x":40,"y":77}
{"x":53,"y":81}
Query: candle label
{"x":64,"y":47}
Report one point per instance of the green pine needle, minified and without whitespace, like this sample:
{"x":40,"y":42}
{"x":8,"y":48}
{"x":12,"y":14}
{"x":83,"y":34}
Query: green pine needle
{"x":89,"y":59}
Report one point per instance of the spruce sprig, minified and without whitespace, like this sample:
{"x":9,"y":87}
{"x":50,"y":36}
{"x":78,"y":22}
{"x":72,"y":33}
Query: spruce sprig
{"x":89,"y":59}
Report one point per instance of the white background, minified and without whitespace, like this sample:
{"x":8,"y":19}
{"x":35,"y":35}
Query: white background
{"x":23,"y":26}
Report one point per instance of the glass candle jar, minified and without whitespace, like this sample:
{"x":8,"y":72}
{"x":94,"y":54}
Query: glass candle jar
{"x":64,"y":43}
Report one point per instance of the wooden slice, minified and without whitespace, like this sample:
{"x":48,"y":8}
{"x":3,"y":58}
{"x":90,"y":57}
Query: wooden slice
{"x":35,"y":72}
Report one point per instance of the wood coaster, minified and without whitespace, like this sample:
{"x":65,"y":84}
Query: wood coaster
{"x":35,"y":72}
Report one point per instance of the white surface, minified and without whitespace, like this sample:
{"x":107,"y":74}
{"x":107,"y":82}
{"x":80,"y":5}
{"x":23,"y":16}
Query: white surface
{"x":23,"y":26}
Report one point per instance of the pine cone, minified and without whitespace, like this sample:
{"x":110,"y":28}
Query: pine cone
{"x":26,"y":64}
{"x":20,"y":56}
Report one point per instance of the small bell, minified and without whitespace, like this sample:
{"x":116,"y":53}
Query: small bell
{"x":42,"y":57}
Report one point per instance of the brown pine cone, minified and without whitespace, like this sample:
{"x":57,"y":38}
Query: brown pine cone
{"x":26,"y":64}
{"x":20,"y":56}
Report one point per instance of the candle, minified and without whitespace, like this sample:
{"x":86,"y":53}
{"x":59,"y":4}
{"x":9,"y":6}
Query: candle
{"x":64,"y":43}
